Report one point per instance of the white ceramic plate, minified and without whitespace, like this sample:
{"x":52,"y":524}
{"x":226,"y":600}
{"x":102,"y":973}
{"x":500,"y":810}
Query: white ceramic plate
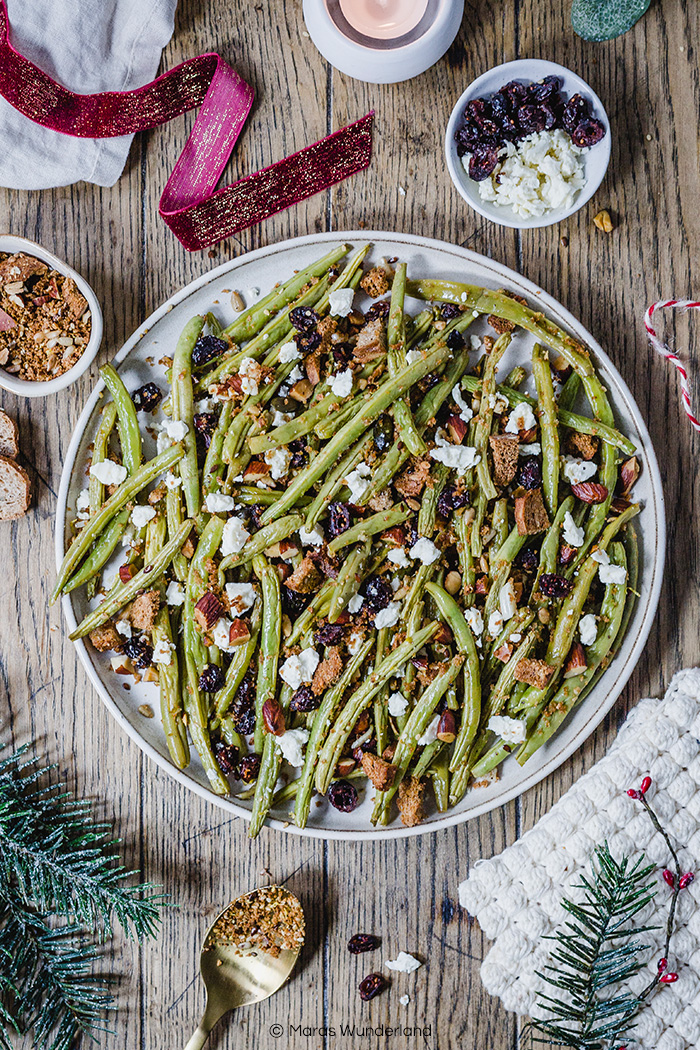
{"x":261,"y":269}
{"x":595,"y":160}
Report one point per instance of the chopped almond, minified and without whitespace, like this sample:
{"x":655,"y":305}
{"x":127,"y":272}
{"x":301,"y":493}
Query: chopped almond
{"x":575,"y":661}
{"x":371,"y":341}
{"x":239,"y":632}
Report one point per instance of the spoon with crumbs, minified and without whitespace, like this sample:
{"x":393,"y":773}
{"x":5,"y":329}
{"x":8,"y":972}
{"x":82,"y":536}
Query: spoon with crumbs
{"x":248,"y":953}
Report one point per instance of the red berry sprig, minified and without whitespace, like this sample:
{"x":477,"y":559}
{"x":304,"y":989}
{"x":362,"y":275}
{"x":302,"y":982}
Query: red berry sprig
{"x":685,"y":880}
{"x":669,"y":978}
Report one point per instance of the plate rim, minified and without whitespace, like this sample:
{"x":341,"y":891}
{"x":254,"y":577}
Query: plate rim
{"x":656,"y":568}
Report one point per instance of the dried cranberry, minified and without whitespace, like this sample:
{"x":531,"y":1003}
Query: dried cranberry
{"x":477,"y":109}
{"x":139,"y":652}
{"x":299,"y":454}
{"x":206,"y":348}
{"x":243,"y":707}
{"x":248,"y":768}
{"x":531,"y":119}
{"x":377,"y":593}
{"x":587,"y":133}
{"x":499,"y":109}
{"x":378,"y":311}
{"x":212,"y":679}
{"x":339,"y":518}
{"x":549,"y":114}
{"x":307,"y":341}
{"x":528,"y":558}
{"x":342,"y":353}
{"x":455,"y":340}
{"x":147,"y":397}
{"x":304,"y":700}
{"x":529,"y":473}
{"x":342,"y":795}
{"x":542,"y":90}
{"x":303,"y":318}
{"x":293,"y":602}
{"x":554,"y":586}
{"x":227,"y":756}
{"x":256,"y":513}
{"x":466,"y":137}
{"x":482,"y":162}
{"x":329,"y":634}
{"x":575,"y":110}
{"x":362,"y":942}
{"x":383,"y":433}
{"x":372,"y":985}
{"x":205,"y":425}
{"x":451,"y":499}
{"x":428,"y":382}
{"x":514,"y":93}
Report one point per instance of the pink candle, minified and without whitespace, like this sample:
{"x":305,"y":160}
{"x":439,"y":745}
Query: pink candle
{"x":383,"y":19}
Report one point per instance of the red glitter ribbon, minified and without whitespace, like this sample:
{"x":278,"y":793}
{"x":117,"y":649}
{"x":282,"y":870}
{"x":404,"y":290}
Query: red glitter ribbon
{"x":198,"y":214}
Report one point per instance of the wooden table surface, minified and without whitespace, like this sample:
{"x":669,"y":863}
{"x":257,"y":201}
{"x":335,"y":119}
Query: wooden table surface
{"x":404,"y":891}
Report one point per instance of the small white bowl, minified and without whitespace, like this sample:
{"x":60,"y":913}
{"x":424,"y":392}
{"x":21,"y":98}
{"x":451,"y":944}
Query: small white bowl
{"x":595,"y":159}
{"x":28,"y":388}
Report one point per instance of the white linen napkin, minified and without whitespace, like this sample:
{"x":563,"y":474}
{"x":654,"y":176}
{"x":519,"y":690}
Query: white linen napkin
{"x":516,"y":896}
{"x":88,"y":46}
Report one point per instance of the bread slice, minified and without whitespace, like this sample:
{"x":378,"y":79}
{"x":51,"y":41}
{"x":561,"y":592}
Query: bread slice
{"x":9,"y":436}
{"x":15,"y":490}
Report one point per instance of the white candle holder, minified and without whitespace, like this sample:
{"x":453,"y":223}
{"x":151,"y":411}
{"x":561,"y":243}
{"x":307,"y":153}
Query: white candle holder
{"x":382,"y":52}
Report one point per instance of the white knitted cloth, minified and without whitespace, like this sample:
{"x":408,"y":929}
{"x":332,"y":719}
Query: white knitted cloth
{"x":516,"y":896}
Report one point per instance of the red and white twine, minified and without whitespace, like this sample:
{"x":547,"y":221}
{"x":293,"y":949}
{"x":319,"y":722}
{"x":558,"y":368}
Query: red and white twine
{"x":677,"y":304}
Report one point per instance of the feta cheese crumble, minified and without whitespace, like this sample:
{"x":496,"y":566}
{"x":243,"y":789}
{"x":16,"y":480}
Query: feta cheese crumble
{"x":587,"y":630}
{"x":123,"y":627}
{"x":354,"y":642}
{"x":175,"y":594}
{"x":572,"y":533}
{"x":457,"y":457}
{"x":289,"y":352}
{"x":474,"y":620}
{"x":163,"y":652}
{"x":291,"y":745}
{"x":533,"y":449}
{"x":298,"y":670}
{"x":403,"y":963}
{"x":578,"y":470}
{"x":234,"y":535}
{"x":172,"y":481}
{"x":311,"y":537}
{"x":82,"y":505}
{"x":357,"y":481}
{"x":341,"y":384}
{"x":218,"y":503}
{"x":424,"y":551}
{"x":495,"y":623}
{"x":278,"y":460}
{"x":512,"y":730}
{"x":140,"y":516}
{"x":521,"y":418}
{"x":250,"y":372}
{"x":221,"y":634}
{"x":544,"y":172}
{"x":465,"y":411}
{"x":340,"y":302}
{"x":241,"y":596}
{"x":430,"y":734}
{"x":413,"y":355}
{"x":389,"y":616}
{"x":506,"y":600}
{"x":108,"y":472}
{"x":398,"y":557}
{"x":397,"y":705}
{"x":355,"y":603}
{"x":608,"y":573}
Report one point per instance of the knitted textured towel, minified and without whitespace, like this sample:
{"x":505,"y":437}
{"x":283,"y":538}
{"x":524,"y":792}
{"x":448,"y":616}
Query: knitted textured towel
{"x":516,"y":896}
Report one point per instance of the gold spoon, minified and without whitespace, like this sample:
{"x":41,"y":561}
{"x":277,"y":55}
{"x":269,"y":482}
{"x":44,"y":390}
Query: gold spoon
{"x":248,"y":953}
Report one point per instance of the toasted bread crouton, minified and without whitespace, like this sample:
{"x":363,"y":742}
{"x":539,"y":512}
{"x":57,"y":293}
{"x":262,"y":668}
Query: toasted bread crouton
{"x":500,"y":324}
{"x":375,"y":282}
{"x":410,"y":801}
{"x":411,"y":481}
{"x":9,"y":436}
{"x":326,"y":328}
{"x":534,"y":672}
{"x":582,"y":445}
{"x":504,"y":450}
{"x":306,"y":578}
{"x":106,"y":637}
{"x":389,"y":752}
{"x":328,"y":671}
{"x":144,"y":610}
{"x":530,"y":514}
{"x":371,"y":341}
{"x":381,"y":773}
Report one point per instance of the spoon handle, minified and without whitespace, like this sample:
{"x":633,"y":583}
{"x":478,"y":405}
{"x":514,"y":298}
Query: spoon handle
{"x":199,"y":1038}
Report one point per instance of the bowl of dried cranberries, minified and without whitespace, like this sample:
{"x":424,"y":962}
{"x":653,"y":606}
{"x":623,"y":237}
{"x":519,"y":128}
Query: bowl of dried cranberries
{"x":528,"y":144}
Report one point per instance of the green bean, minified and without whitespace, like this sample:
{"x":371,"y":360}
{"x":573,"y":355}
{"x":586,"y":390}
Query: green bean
{"x":124,"y":592}
{"x":320,"y":725}
{"x":270,"y":634}
{"x":99,"y":454}
{"x":515,"y":377}
{"x":463,"y":525}
{"x":261,"y":540}
{"x":367,"y":527}
{"x":240,"y":662}
{"x":428,"y":508}
{"x":334,"y":480}
{"x":569,"y":392}
{"x":360,"y":699}
{"x":349,"y":578}
{"x":174,"y":515}
{"x":440,"y":777}
{"x":183,"y":411}
{"x":295,"y":428}
{"x":127,"y":423}
{"x":549,"y":430}
{"x":417,"y":724}
{"x":381,"y":713}
{"x":265,"y":784}
{"x":101,"y":552}
{"x":128,"y":489}
{"x":156,"y":531}
{"x":396,"y":359}
{"x":169,"y":688}
{"x":427,"y":757}
{"x":213,"y":463}
{"x":499,"y":521}
{"x":484,"y":420}
{"x":193,"y":703}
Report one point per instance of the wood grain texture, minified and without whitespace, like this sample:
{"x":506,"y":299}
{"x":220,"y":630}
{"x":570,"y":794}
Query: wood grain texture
{"x":405,"y":892}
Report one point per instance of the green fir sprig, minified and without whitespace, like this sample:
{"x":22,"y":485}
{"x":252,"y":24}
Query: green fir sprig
{"x":62,"y":891}
{"x":598,"y":950}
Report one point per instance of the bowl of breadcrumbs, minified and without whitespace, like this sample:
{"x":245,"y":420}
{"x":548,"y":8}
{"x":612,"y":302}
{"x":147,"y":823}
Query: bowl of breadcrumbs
{"x":50,"y":320}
